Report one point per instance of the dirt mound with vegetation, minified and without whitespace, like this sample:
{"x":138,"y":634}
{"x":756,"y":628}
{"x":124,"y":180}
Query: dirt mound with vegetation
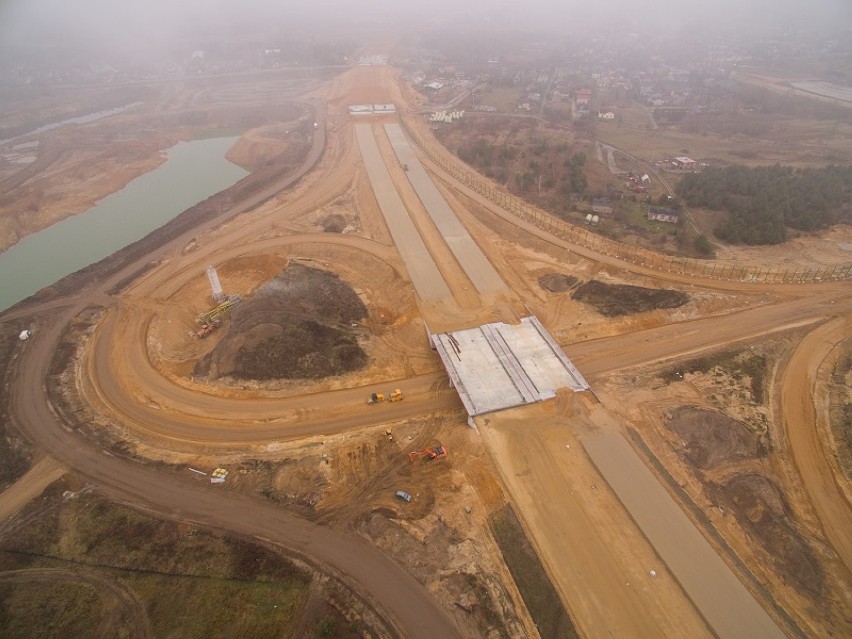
{"x":557,"y":282}
{"x":333,"y":223}
{"x":712,"y":438}
{"x":762,"y":509}
{"x":298,"y":326}
{"x":614,"y":300}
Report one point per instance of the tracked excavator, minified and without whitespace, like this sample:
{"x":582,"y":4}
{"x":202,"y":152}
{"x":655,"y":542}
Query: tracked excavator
{"x":431,"y":454}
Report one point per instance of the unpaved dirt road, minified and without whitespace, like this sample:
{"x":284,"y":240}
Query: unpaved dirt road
{"x":403,"y":599}
{"x":607,"y":594}
{"x":30,"y":486}
{"x":800,"y":425}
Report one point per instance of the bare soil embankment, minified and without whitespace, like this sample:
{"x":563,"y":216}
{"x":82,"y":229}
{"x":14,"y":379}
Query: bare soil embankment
{"x":711,"y":430}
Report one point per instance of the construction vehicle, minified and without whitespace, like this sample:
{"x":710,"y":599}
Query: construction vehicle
{"x":378,"y":398}
{"x":216,"y":313}
{"x":431,"y":454}
{"x":206,"y":329}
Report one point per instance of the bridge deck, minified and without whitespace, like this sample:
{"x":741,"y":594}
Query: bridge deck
{"x":499,"y":365}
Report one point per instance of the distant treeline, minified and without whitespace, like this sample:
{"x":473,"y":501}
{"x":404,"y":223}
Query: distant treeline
{"x":764,"y":201}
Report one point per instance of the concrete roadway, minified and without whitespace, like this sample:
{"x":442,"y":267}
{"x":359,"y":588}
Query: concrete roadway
{"x":729,"y":609}
{"x":421,"y":267}
{"x":471,"y":258}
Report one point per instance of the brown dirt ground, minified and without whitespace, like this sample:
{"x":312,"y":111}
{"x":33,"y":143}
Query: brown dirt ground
{"x":722,"y":448}
{"x":348,"y":480}
{"x":75,"y":166}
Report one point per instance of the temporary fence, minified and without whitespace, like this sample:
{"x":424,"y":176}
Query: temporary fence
{"x":579,"y":236}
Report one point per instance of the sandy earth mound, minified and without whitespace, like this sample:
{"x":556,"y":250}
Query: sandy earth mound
{"x":297,"y":326}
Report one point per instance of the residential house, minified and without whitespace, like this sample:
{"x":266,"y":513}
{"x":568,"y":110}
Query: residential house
{"x":583,"y":98}
{"x":684,"y":163}
{"x":601,"y":205}
{"x":660,"y":214}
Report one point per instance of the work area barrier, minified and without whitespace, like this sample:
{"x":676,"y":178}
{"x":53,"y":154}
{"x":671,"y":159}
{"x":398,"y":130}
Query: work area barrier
{"x":579,"y":236}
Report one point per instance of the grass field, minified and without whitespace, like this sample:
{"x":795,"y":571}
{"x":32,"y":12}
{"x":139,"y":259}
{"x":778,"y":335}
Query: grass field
{"x":788,"y":140}
{"x":538,"y":593}
{"x":185,"y":581}
{"x":505,"y":99}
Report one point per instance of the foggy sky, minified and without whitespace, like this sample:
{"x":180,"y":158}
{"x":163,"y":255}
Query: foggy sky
{"x":114,"y":25}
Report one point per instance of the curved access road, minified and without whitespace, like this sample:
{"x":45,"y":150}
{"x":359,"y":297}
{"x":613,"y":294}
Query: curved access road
{"x":801,"y":428}
{"x":400,"y":598}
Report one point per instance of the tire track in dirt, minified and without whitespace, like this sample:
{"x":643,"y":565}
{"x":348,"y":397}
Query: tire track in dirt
{"x":365,"y":568}
{"x":29,"y":486}
{"x":121,"y":595}
{"x":800,"y":427}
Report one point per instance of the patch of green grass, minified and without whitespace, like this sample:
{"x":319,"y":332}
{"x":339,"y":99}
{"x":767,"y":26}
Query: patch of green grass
{"x":537,"y":591}
{"x":40,"y":611}
{"x":15,"y":453}
{"x":224,"y":132}
{"x":505,"y":99}
{"x":191,"y":582}
{"x":200,"y":607}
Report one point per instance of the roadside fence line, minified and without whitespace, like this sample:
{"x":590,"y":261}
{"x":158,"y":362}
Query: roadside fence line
{"x":704,"y":269}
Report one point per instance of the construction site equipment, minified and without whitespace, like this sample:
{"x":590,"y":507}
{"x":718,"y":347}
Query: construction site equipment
{"x":207,"y":328}
{"x":215,"y":285}
{"x":208,"y":317}
{"x":218,"y":476}
{"x":431,"y":454}
{"x":378,"y":398}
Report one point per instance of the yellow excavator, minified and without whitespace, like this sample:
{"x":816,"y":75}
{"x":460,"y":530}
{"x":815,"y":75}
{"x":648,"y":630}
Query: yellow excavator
{"x":378,"y":398}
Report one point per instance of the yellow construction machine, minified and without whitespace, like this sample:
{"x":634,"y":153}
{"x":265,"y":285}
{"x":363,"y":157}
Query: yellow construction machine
{"x":378,"y":398}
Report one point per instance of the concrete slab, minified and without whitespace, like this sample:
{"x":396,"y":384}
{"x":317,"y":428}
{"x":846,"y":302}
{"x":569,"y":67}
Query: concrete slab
{"x":499,"y":365}
{"x":725,"y":603}
{"x":468,"y":254}
{"x":421,"y":267}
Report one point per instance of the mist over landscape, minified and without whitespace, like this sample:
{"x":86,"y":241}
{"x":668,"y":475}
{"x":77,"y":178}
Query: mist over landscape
{"x":437,"y":319}
{"x":151,"y":29}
